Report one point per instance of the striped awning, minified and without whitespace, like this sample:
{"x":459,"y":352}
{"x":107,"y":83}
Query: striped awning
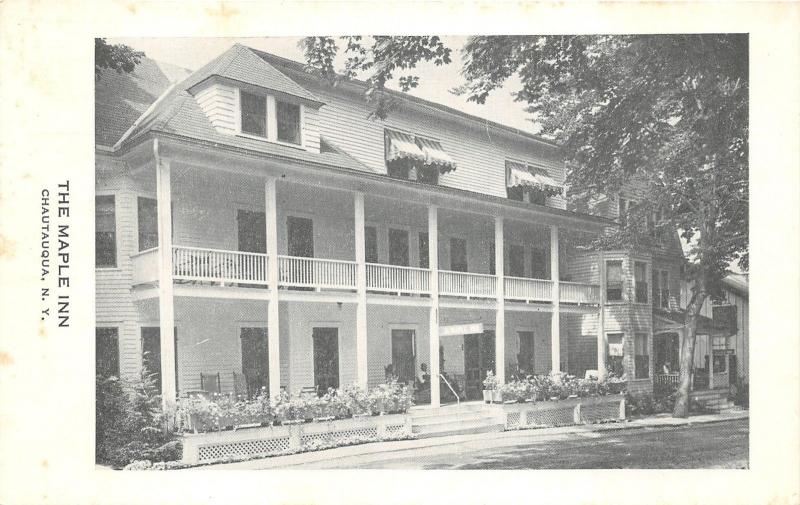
{"x":528,"y":176}
{"x":435,"y":155}
{"x":401,"y":146}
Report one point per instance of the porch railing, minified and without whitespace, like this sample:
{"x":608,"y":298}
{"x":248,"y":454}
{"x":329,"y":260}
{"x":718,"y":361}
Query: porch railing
{"x":529,"y":290}
{"x":398,"y":279}
{"x":667,"y":378}
{"x":316,"y":273}
{"x":467,"y":284}
{"x":145,"y":266}
{"x":217,"y":265}
{"x":576,"y":292}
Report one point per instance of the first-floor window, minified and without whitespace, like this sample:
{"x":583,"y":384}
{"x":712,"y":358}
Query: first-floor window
{"x":105,"y":234}
{"x":642,"y":356}
{"x":615,"y":354}
{"x":106,"y":352}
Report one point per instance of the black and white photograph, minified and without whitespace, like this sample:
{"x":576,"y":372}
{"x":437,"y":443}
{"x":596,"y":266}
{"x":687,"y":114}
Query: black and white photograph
{"x":358,"y":252}
{"x":302,"y":261}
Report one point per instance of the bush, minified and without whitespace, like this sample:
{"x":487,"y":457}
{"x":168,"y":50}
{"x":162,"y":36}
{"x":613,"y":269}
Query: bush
{"x":130,"y":424}
{"x":647,"y":405}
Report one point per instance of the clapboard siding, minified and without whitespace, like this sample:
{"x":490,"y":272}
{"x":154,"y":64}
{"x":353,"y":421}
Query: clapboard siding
{"x":218,"y":101}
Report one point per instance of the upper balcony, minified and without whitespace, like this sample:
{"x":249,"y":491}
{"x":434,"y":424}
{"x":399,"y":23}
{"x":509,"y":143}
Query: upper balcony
{"x":220,"y":239}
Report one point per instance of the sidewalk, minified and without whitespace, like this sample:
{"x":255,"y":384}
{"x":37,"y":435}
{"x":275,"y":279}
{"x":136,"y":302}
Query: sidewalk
{"x":501,"y":439}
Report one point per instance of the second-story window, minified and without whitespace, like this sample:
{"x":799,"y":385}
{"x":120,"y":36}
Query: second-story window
{"x":288,"y":122}
{"x":458,"y":255}
{"x":540,"y":263}
{"x":640,"y":279}
{"x":423,"y":250}
{"x":614,"y":281}
{"x":370,"y":244}
{"x":105,"y":235}
{"x":415,"y":158}
{"x":254,"y":114}
{"x":624,"y":207}
{"x":665,"y":289}
{"x":147,"y":210}
{"x":529,"y":183}
{"x":516,"y":263}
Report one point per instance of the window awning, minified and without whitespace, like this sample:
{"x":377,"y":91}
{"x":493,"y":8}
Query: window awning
{"x":528,"y":176}
{"x":435,"y":155}
{"x":401,"y":146}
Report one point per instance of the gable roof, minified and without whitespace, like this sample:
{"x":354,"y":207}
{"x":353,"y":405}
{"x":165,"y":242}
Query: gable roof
{"x":241,"y":64}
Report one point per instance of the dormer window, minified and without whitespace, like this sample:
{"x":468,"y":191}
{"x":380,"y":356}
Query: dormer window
{"x":415,"y":158}
{"x":288,"y":122}
{"x":528,"y":183}
{"x":254,"y":114}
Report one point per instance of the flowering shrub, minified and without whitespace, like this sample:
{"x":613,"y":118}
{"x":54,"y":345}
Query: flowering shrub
{"x":202,"y":414}
{"x":554,"y":387}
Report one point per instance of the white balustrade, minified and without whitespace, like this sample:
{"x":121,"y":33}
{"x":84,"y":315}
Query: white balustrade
{"x":316,"y":273}
{"x":528,"y":290}
{"x":397,"y":279}
{"x":576,"y":292}
{"x":467,"y":284}
{"x":217,"y":265}
{"x":145,"y":266}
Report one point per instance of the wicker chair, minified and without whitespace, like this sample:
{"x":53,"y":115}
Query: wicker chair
{"x":210,"y":383}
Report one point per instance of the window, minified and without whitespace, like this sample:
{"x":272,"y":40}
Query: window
{"x":458,"y":255}
{"x":664,"y":289}
{"x":624,"y":206}
{"x":540,"y":264}
{"x":106,"y":352}
{"x":288,"y":122}
{"x":615,"y":353}
{"x":492,"y":259}
{"x":105,"y":235}
{"x":423,"y":250}
{"x":254,"y":114}
{"x":398,"y":247}
{"x":724,"y":319}
{"x":642,"y":356}
{"x":370,"y":244}
{"x":639,"y":275}
{"x":147,"y":209}
{"x":613,"y":281}
{"x":516,"y":263}
{"x":528,"y":195}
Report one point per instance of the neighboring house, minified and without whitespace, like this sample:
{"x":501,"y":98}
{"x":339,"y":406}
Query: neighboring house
{"x":254,"y":229}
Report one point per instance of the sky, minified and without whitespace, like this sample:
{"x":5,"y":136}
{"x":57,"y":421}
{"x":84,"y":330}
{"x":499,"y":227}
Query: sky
{"x":435,"y":82}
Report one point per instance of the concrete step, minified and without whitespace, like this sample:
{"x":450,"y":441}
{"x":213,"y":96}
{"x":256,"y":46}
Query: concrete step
{"x":463,"y":431}
{"x":421,"y":412}
{"x":483,"y":425}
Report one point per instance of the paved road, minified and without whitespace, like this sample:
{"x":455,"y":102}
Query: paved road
{"x":714,"y":445}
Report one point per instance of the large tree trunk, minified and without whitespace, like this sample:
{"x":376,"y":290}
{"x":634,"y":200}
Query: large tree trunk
{"x":687,"y":349}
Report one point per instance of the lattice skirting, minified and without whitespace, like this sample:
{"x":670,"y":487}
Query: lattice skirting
{"x":207,"y":447}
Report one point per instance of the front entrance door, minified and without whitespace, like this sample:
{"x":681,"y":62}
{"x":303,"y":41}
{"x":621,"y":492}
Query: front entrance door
{"x":478,"y":359}
{"x":326,"y":358}
{"x":151,"y":354}
{"x":255,"y":360}
{"x":403,"y":360}
{"x":300,"y":232}
{"x":525,"y":358}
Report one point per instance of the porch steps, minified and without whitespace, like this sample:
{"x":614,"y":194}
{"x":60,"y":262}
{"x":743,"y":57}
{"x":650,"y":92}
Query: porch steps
{"x":713,"y":399}
{"x":462,"y":419}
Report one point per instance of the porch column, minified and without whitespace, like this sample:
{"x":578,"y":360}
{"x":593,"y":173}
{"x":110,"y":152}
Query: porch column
{"x":602,"y":344}
{"x":555,"y":323}
{"x":273,"y":323}
{"x":362,"y":370}
{"x":433,"y":333}
{"x":166,"y":314}
{"x":500,"y":313}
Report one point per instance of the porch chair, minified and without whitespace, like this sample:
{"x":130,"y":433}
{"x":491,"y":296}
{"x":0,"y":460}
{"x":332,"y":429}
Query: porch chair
{"x":210,"y":383}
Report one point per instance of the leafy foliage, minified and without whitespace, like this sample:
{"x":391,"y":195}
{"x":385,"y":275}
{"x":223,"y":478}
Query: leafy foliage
{"x":129,"y":423}
{"x":117,"y":57}
{"x":669,"y":112}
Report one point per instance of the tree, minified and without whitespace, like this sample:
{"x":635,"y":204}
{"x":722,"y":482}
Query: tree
{"x":117,"y":57}
{"x":670,"y":111}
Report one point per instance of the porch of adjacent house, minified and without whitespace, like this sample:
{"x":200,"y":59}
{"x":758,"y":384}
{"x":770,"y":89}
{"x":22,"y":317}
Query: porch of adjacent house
{"x":710,"y":365}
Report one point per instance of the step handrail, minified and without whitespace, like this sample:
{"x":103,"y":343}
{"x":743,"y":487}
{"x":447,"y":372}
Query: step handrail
{"x":458,"y":400}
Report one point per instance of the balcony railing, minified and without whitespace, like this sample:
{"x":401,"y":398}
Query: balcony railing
{"x":145,"y":266}
{"x":528,"y":290}
{"x":467,"y":284}
{"x":217,"y":265}
{"x":316,"y":273}
{"x":398,"y":279}
{"x":196,"y":264}
{"x":579,"y":293}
